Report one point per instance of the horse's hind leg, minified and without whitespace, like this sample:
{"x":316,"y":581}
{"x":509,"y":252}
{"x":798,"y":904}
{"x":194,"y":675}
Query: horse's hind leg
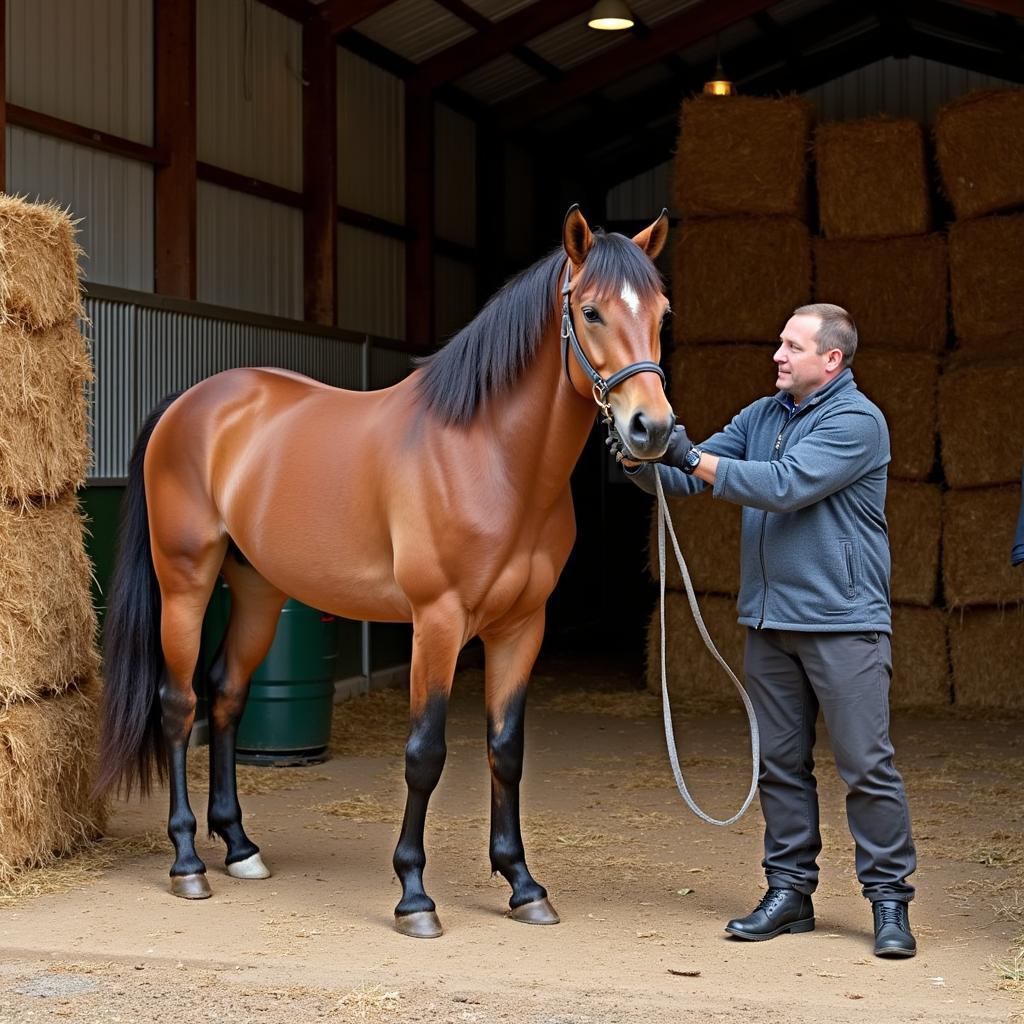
{"x":438,"y":634}
{"x":186,"y":567}
{"x":509,"y":659}
{"x":255,"y":608}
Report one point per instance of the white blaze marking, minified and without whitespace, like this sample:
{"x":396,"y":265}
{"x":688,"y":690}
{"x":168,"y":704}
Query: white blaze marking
{"x":631,"y":299}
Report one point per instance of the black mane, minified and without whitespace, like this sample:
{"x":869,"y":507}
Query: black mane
{"x":490,"y":352}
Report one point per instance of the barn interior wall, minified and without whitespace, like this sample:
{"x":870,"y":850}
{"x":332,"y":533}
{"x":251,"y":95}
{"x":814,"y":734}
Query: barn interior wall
{"x":371,"y":282}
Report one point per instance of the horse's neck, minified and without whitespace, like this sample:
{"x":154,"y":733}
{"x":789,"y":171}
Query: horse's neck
{"x":541,"y":424}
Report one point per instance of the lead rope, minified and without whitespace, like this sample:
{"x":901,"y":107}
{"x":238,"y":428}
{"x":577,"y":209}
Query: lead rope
{"x":664,"y":519}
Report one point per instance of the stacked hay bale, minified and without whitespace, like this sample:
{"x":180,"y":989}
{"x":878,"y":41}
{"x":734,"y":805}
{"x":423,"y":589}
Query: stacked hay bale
{"x":741,"y":264}
{"x":980,"y":149}
{"x":48,"y":661}
{"x":879,"y":259}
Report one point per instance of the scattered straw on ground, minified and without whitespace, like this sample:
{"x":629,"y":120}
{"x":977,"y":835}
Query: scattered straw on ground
{"x":376,"y":725}
{"x":370,"y":1002}
{"x":618,"y":704}
{"x":362,"y":807}
{"x":253,"y":780}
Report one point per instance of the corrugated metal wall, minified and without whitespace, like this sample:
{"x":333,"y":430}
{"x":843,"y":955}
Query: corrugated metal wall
{"x":250,"y":253}
{"x":90,"y":62}
{"x":371,"y":139}
{"x":249,"y":79}
{"x":456,"y":296}
{"x":455,"y":162}
{"x":520,"y":207}
{"x":371,"y":283}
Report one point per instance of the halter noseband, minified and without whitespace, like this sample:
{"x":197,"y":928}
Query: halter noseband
{"x":599,"y":386}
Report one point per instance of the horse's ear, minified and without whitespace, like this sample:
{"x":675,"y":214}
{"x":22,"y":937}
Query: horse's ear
{"x":652,"y":238}
{"x":576,"y":235}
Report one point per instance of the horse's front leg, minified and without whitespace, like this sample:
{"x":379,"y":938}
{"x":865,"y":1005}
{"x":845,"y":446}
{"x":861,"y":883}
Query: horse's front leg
{"x":510,"y":657}
{"x":438,"y":635}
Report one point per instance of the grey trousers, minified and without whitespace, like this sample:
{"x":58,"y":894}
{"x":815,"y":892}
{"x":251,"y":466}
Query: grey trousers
{"x":790,"y":675}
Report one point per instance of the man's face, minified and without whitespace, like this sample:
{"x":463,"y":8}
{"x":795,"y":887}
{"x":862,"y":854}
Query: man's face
{"x":801,"y":368}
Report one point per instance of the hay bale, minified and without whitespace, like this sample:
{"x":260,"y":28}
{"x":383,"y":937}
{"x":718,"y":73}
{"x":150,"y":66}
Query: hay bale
{"x":986,"y":647}
{"x":979,"y":142}
{"x":981,"y":421}
{"x":693,"y":674}
{"x":44,"y":446}
{"x":710,"y":384}
{"x":986,"y":273}
{"x":903,"y":385}
{"x":742,"y":155}
{"x":977,"y":535}
{"x":914,"y":516}
{"x":38,"y":264}
{"x":920,"y":660}
{"x":739,"y":279}
{"x":47,"y":765}
{"x":709,"y":536}
{"x":895,"y":289}
{"x":47,"y":622}
{"x":872,"y":178}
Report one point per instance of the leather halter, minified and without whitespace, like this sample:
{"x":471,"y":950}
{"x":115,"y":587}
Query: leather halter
{"x":599,"y":385}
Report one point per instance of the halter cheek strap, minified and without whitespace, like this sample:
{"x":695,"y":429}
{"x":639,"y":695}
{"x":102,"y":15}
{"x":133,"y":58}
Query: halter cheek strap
{"x":599,"y":384}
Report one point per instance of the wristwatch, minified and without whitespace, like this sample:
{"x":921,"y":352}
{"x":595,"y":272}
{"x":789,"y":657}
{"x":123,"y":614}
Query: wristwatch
{"x":691,"y":460}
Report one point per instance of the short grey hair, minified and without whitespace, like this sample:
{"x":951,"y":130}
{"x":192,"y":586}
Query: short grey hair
{"x":837,"y":329}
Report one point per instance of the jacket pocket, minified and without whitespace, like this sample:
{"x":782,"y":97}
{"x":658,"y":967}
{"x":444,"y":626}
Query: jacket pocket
{"x":850,"y":568}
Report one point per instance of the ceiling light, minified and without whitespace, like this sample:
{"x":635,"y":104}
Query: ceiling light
{"x":719,"y":85}
{"x":611,"y":16}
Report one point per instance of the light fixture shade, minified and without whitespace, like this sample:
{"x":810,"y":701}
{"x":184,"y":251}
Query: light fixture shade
{"x":719,"y":87}
{"x":610,"y":16}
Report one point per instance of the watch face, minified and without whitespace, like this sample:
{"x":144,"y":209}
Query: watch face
{"x":693,"y":457}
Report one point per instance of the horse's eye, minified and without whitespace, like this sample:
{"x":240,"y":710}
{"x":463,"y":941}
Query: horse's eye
{"x":591,"y":315}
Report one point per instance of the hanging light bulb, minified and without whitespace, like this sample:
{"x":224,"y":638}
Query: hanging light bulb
{"x":610,"y":16}
{"x":719,"y":85}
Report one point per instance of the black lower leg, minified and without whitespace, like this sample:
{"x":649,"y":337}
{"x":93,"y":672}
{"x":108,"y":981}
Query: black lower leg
{"x":224,"y":813}
{"x":424,"y":759}
{"x":505,"y":753}
{"x":177,"y":712}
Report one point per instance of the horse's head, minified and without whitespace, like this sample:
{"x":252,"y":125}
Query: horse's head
{"x":617,"y":307}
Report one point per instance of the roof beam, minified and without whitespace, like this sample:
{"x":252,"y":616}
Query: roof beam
{"x":1015,"y":8}
{"x":674,"y":34}
{"x":340,"y":15}
{"x":964,"y":55}
{"x":502,"y":37}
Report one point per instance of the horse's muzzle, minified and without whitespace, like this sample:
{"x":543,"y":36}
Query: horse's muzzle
{"x":647,"y":437}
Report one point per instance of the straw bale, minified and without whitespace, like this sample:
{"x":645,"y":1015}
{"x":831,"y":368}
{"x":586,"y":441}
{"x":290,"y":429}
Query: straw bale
{"x":693,"y":674}
{"x":709,"y":537}
{"x":987,"y":650}
{"x":914,"y":514}
{"x":986,"y":273}
{"x":47,"y":622}
{"x":38,"y":264}
{"x":710,"y":384}
{"x":872,"y":178}
{"x":739,"y":279}
{"x":903,"y":385}
{"x":742,"y":155}
{"x":44,"y":447}
{"x":920,"y":660}
{"x":981,"y":420}
{"x":977,"y":536}
{"x":979,"y":143}
{"x":47,"y":764}
{"x":895,"y":289}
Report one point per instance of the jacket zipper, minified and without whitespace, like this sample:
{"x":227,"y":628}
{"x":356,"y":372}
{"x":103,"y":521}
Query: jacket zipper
{"x":776,"y":449}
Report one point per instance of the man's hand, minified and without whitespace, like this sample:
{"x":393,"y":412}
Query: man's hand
{"x":678,"y":445}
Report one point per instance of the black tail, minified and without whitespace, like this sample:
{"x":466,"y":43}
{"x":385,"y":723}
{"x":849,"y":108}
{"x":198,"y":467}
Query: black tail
{"x":132,"y":742}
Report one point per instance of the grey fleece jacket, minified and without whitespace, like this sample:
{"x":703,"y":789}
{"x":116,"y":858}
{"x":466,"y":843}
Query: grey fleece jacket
{"x":811,"y":480}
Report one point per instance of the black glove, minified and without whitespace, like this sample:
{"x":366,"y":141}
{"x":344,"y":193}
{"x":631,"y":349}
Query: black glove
{"x":678,"y":445}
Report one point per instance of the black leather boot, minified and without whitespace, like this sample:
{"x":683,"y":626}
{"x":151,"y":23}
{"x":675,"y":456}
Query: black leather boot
{"x":893,"y":937}
{"x":780,"y":911}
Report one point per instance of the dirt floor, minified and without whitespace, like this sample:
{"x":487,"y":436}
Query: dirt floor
{"x":642,"y":886}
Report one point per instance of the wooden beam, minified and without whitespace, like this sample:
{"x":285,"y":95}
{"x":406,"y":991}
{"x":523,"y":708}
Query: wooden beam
{"x":419,"y":217}
{"x":297,"y":10}
{"x":1015,"y":8}
{"x":676,"y":33}
{"x":339,"y":16}
{"x":81,"y":135}
{"x":215,"y":175}
{"x":174,"y":35}
{"x":502,"y":37}
{"x":319,"y":175}
{"x":966,"y":56}
{"x":370,"y":222}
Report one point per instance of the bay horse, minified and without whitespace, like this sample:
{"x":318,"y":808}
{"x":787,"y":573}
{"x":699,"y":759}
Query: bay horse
{"x":443,"y":501}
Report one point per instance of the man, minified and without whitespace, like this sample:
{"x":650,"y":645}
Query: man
{"x":808,"y":465}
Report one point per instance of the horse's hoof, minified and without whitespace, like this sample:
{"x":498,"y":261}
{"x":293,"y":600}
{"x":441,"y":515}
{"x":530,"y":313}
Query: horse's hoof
{"x":424,"y":924}
{"x":538,"y":912}
{"x":191,"y":887}
{"x":251,"y":867}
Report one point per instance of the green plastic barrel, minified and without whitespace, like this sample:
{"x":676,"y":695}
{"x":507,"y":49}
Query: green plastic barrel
{"x":287,"y":718}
